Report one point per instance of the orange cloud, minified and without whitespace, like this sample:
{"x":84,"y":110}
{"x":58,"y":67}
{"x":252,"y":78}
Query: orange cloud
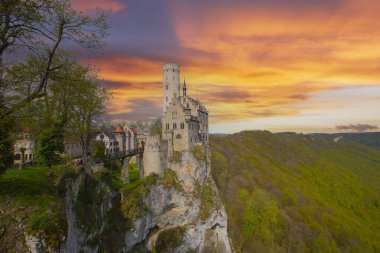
{"x":250,"y":61}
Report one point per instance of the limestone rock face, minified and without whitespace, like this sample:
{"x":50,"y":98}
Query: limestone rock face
{"x":180,"y":212}
{"x":187,"y":217}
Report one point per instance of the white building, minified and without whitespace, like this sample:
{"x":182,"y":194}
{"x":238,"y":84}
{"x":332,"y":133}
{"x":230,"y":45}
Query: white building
{"x":24,"y":142}
{"x":185,"y":120}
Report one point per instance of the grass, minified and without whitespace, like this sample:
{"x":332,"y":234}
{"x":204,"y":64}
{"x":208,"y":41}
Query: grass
{"x":316,"y":195}
{"x":113,"y":176}
{"x":34,"y":196}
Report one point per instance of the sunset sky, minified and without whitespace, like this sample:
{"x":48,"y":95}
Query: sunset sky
{"x":280,"y":65}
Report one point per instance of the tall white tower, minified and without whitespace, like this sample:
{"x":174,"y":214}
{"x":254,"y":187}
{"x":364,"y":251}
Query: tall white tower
{"x":171,"y":86}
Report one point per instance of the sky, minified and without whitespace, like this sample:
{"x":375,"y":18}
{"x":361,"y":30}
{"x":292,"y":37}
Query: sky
{"x":279,"y":65}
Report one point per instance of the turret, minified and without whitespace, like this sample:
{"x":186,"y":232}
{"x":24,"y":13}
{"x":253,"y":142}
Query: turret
{"x":171,"y":83}
{"x":184,"y":87}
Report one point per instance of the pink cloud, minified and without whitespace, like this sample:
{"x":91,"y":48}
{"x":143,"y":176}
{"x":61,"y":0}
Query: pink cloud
{"x":85,"y":5}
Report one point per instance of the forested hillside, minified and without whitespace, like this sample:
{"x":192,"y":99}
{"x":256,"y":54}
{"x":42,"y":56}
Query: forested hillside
{"x":298,"y":193}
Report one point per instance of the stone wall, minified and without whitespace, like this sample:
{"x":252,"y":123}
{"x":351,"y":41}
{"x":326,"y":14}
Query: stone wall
{"x":154,"y":158}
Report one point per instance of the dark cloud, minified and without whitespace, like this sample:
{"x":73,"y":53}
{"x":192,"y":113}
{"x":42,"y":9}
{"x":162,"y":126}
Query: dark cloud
{"x":131,"y":85}
{"x":357,"y":127}
{"x":227,"y":95}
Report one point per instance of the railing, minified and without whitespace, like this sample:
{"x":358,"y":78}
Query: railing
{"x":126,"y":153}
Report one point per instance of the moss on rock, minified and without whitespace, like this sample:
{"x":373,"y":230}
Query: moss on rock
{"x":170,"y":180}
{"x":199,"y":153}
{"x":132,"y":204}
{"x":169,"y":239}
{"x":207,"y":201}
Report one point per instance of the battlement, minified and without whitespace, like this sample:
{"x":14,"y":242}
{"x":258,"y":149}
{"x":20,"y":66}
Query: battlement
{"x":171,"y":66}
{"x":153,"y":143}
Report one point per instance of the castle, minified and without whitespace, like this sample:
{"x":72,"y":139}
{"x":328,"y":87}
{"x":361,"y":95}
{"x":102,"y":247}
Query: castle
{"x":184,"y":124}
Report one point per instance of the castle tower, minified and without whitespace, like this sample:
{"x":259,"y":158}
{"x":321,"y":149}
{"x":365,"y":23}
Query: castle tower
{"x":171,"y":85}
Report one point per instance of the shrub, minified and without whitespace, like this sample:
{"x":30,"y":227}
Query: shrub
{"x":51,"y":223}
{"x":199,"y":153}
{"x":169,"y":239}
{"x":170,"y":180}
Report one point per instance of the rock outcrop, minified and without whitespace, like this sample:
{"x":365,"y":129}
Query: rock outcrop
{"x":185,"y":215}
{"x":179,"y":212}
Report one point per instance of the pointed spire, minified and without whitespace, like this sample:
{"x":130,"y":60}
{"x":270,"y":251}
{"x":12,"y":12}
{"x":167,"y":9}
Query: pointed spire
{"x":184,"y":87}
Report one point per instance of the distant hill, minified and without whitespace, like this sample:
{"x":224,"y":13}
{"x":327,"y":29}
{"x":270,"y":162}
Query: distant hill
{"x":299,"y":193}
{"x":371,"y":139}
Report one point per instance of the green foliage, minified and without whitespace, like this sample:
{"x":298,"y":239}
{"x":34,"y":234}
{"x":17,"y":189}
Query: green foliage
{"x":199,"y":152}
{"x":99,"y":149}
{"x":176,"y":157}
{"x":133,"y":172}
{"x":298,"y":193}
{"x":33,"y":195}
{"x":207,"y":201}
{"x":6,"y":141}
{"x":170,"y":180}
{"x":50,"y":222}
{"x":51,"y":146}
{"x":133,"y":205}
{"x":169,"y":239}
{"x":261,"y":219}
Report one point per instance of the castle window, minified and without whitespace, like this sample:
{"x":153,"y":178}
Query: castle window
{"x":167,"y":86}
{"x":17,"y":157}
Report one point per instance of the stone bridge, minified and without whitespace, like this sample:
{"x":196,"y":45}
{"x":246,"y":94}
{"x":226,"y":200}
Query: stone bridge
{"x":125,"y":158}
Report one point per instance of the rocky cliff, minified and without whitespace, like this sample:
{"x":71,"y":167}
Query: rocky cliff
{"x":180,"y":212}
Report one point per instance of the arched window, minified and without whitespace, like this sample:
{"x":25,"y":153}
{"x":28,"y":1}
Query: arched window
{"x":17,"y":157}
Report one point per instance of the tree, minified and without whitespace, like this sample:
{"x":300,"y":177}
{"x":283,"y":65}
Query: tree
{"x":41,"y":26}
{"x":6,"y":142}
{"x":38,"y":29}
{"x":99,"y":149}
{"x":88,"y":106}
{"x":52,"y":146}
